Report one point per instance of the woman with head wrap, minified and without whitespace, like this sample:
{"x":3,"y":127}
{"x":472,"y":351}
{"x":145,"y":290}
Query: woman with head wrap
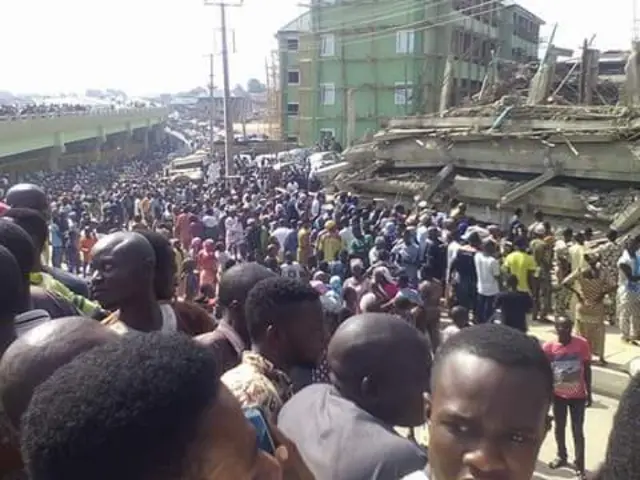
{"x":590,"y":286}
{"x":335,"y":283}
{"x":196,"y":245}
{"x":358,"y":281}
{"x":383,"y":285}
{"x":208,"y":263}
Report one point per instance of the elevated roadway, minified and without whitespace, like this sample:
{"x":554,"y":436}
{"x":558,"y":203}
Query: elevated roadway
{"x":45,"y":141}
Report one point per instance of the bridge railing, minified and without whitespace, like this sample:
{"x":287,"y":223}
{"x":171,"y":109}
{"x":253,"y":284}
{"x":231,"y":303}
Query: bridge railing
{"x":77,"y":113}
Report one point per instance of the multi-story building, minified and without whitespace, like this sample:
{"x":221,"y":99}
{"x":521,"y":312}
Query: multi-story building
{"x":358,"y":63}
{"x":289,"y":75}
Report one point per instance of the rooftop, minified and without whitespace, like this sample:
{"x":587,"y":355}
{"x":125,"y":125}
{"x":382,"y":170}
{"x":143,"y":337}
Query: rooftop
{"x":516,"y":6}
{"x":302,"y":23}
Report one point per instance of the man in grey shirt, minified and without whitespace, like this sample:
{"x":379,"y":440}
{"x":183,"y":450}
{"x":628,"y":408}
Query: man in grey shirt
{"x":380,"y":369}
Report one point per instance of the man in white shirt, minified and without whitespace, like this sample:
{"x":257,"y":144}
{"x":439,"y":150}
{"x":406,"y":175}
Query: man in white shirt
{"x":628,"y":300}
{"x":280,"y":234}
{"x":488,"y":273}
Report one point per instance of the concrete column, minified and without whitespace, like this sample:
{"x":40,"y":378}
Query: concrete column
{"x":54,"y":158}
{"x":146,"y":134}
{"x":56,"y":152}
{"x":127,"y":139}
{"x":158,"y":134}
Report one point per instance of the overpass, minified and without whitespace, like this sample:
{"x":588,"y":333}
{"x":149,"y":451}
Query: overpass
{"x":50,"y":141}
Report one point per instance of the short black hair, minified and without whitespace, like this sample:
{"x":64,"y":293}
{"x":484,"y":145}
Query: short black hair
{"x":268,"y":300}
{"x":32,"y":222}
{"x":501,"y":344}
{"x":13,"y":285}
{"x":127,"y":410}
{"x":236,"y":282}
{"x":15,"y":239}
{"x":621,"y":460}
{"x":165,"y":261}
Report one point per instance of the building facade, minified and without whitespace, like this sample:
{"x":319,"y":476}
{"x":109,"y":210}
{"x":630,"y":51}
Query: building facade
{"x":289,"y":75}
{"x":360,"y":62}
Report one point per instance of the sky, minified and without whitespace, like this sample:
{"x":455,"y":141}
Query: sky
{"x":157,"y":46}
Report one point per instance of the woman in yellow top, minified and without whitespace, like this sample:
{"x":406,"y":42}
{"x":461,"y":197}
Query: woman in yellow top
{"x":329,"y":242}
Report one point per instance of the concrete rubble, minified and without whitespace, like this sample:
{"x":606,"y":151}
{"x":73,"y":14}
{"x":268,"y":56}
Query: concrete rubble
{"x":579,"y":163}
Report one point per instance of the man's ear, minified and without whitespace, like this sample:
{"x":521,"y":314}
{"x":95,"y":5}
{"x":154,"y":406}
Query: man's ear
{"x":427,"y":406}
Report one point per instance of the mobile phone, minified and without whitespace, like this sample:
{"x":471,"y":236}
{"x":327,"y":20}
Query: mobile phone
{"x":257,"y":418}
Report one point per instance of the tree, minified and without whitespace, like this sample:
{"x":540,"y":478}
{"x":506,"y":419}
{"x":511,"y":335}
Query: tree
{"x":255,"y":86}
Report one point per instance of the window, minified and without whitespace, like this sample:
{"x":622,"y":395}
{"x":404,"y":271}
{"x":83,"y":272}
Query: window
{"x":293,"y":109}
{"x":327,"y":94}
{"x":327,"y":45}
{"x":403,"y":93}
{"x":405,"y":41}
{"x":293,"y":77}
{"x":292,"y":44}
{"x":327,"y":133}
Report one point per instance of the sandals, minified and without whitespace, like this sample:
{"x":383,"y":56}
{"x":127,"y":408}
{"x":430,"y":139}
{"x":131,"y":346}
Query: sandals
{"x":558,"y":463}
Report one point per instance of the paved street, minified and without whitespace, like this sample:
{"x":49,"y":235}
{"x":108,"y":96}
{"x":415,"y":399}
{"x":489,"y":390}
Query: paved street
{"x":598,"y":425}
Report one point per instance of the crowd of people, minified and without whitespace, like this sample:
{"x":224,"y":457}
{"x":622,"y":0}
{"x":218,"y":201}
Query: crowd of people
{"x":40,"y":109}
{"x":262,"y":329}
{"x":10,"y":111}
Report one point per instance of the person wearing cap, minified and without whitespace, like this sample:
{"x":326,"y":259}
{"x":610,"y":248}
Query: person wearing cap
{"x":329,"y":243}
{"x":542,"y":252}
{"x":522,"y":265}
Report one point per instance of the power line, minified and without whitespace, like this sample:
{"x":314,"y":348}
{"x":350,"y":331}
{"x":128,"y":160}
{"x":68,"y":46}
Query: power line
{"x":390,"y":11}
{"x":228,"y":124}
{"x":412,"y":26}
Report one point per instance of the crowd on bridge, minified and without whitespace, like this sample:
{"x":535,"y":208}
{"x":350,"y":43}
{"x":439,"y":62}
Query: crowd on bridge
{"x":150,"y":327}
{"x":33,"y":109}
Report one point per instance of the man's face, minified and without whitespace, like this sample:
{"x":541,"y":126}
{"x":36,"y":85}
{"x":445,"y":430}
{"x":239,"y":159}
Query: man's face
{"x":487,"y":421}
{"x":305,"y":336}
{"x":229,"y":448}
{"x":114,"y":277}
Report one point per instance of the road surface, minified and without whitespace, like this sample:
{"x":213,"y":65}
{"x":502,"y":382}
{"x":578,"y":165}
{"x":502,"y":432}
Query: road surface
{"x":597,"y":427}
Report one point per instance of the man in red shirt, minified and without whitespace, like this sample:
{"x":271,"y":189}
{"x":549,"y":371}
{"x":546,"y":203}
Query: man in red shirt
{"x":570,"y":359}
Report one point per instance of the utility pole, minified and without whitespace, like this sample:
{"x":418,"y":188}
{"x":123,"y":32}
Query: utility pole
{"x":228,"y":124}
{"x":270,"y":113}
{"x":212,"y":107}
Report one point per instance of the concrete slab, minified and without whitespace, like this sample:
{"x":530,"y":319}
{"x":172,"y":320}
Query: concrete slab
{"x":612,"y":379}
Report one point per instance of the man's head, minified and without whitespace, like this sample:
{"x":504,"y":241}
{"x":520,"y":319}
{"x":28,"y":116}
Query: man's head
{"x":123,"y":269}
{"x":490,"y":393}
{"x":622,"y":461}
{"x":459,"y":316}
{"x":233,"y":289}
{"x":32,"y":222}
{"x":100,"y":417}
{"x":27,"y":195}
{"x":285,"y":318}
{"x":32,"y":358}
{"x":12,"y":289}
{"x":19,"y":243}
{"x":564,"y":327}
{"x":383,"y":364}
{"x":165,"y":271}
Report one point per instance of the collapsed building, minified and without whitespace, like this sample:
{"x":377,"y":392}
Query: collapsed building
{"x":580,"y":163}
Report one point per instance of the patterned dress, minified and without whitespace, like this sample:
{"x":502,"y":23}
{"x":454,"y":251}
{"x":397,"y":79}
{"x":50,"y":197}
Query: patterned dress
{"x":609,"y":254}
{"x":256,"y":382}
{"x":591,"y":311}
{"x":561,"y":296}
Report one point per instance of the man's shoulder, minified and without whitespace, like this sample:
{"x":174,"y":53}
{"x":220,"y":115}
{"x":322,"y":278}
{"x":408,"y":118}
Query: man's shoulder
{"x":72,"y":282}
{"x":192,"y":318}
